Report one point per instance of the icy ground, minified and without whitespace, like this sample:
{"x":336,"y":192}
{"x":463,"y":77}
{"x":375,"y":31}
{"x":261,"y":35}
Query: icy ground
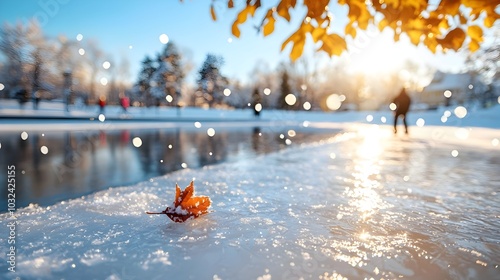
{"x":363,"y":204}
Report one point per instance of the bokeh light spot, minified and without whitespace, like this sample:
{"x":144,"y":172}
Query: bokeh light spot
{"x":24,"y":135}
{"x":211,"y":132}
{"x":454,"y":153}
{"x":290,"y":99}
{"x":420,"y":122}
{"x":495,"y":142}
{"x":44,"y":150}
{"x":393,"y":106}
{"x":369,"y":118}
{"x":164,"y":39}
{"x":306,"y":106}
{"x":101,"y":117}
{"x":460,"y":112}
{"x":333,"y":102}
{"x":267,"y":91}
{"x":447,"y":93}
{"x":258,"y":107}
{"x":197,"y":124}
{"x":137,"y":142}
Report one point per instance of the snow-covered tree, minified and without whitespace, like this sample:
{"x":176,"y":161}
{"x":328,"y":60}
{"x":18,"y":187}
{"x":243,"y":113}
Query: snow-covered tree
{"x":211,"y":83}
{"x":162,"y":78}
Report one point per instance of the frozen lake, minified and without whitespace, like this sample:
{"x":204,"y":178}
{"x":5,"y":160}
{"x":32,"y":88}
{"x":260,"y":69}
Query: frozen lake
{"x":82,"y":161}
{"x":361,"y":204}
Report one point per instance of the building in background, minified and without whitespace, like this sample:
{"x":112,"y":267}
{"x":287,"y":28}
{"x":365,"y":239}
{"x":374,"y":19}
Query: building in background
{"x":447,"y":89}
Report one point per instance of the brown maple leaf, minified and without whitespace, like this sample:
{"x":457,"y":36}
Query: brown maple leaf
{"x":186,"y":205}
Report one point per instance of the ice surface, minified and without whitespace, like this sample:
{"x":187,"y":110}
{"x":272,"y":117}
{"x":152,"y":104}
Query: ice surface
{"x":384,"y":206}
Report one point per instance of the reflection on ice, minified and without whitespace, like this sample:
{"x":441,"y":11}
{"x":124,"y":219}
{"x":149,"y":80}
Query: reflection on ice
{"x":297,"y":213}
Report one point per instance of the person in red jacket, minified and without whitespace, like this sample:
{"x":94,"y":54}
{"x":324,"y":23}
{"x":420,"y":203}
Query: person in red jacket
{"x":125,"y":102}
{"x":402,"y":102}
{"x":102,"y":103}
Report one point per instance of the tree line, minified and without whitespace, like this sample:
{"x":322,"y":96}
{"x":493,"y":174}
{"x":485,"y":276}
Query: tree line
{"x":35,"y":64}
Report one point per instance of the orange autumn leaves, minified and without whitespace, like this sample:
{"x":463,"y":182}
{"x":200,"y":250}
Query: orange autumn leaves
{"x":186,"y":205}
{"x":440,"y":26}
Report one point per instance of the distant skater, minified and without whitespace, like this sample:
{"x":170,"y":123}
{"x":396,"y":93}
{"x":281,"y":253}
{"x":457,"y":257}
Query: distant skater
{"x":402,"y":102}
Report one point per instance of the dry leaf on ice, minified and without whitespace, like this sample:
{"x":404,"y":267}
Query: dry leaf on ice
{"x":186,"y":205}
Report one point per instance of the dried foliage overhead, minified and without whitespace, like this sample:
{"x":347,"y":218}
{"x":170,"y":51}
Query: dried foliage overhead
{"x":439,"y":25}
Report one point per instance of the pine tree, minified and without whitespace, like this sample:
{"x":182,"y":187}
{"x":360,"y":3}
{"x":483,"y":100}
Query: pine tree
{"x":211,"y":82}
{"x":284,"y":90}
{"x":144,"y":81}
{"x":169,"y":75}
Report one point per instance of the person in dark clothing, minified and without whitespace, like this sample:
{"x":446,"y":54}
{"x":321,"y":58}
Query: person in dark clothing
{"x":402,"y":102}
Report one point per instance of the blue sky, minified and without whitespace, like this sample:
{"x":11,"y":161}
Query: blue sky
{"x":119,"y":24}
